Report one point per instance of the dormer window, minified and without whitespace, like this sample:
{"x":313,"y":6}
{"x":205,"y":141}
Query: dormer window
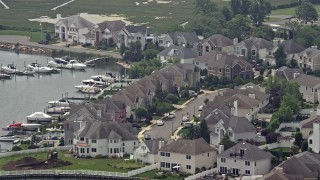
{"x":174,"y":51}
{"x":207,"y":48}
{"x":242,"y":151}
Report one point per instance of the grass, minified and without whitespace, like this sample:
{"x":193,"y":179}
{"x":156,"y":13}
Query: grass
{"x":152,"y":175}
{"x":273,"y":19}
{"x":284,"y":149}
{"x":290,"y":11}
{"x":156,"y":117}
{"x":148,"y":174}
{"x":24,"y":146}
{"x":182,"y":131}
{"x":34,"y":36}
{"x":182,"y":101}
{"x":102,"y":164}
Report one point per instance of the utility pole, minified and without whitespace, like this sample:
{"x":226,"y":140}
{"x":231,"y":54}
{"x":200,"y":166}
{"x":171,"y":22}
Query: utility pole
{"x":41,"y":30}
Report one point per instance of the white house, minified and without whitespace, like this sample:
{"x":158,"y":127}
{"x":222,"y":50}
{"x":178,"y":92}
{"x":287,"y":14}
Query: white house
{"x":105,"y":138}
{"x":74,"y":29}
{"x":314,"y":139}
{"x":147,"y":151}
{"x":309,"y":58}
{"x":254,"y":46}
{"x":309,"y":87}
{"x":244,"y":159}
{"x":131,"y":34}
{"x":186,"y":155}
{"x":185,"y":55}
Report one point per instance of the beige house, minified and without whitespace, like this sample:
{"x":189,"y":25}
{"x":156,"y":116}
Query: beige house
{"x":309,"y":87}
{"x":147,"y":151}
{"x":310,"y":59}
{"x":107,"y":30}
{"x":132,"y":34}
{"x":186,"y":155}
{"x":217,"y":43}
{"x":306,"y":126}
{"x":254,"y":46}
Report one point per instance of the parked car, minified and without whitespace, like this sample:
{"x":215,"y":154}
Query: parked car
{"x":147,"y":137}
{"x":160,"y":123}
{"x":185,"y":118}
{"x":186,"y":124}
{"x":200,"y":108}
{"x":171,"y":115}
{"x":43,"y":41}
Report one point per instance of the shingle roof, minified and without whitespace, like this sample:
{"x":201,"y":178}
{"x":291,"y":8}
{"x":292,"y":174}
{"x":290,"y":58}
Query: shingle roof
{"x":311,"y":52}
{"x":191,"y":37}
{"x":153,"y":146}
{"x":178,"y":52}
{"x":259,"y":95}
{"x":252,"y":152}
{"x":240,"y":125}
{"x":308,"y":81}
{"x":287,"y":73}
{"x":111,"y":25}
{"x":258,"y":43}
{"x":190,"y":147}
{"x":136,"y":29}
{"x":78,"y":21}
{"x":308,"y":123}
{"x":230,"y":60}
{"x":243,"y":101}
{"x":219,"y":40}
{"x":291,"y":47}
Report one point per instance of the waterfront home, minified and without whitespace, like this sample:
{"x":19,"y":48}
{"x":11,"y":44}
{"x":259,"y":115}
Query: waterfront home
{"x":244,"y":159}
{"x":255,"y":46}
{"x":309,"y":87}
{"x":183,"y":54}
{"x":305,"y":165}
{"x":106,"y":139}
{"x":186,"y":155}
{"x":217,"y":42}
{"x":107,"y":31}
{"x":147,"y":151}
{"x":73,"y":29}
{"x":132,"y":34}
{"x":309,"y":59}
{"x":186,"y":39}
{"x":223,"y":64}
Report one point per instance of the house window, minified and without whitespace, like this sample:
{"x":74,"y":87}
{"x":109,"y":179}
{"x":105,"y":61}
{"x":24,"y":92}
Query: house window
{"x":81,"y":150}
{"x":93,"y":141}
{"x":160,"y":41}
{"x":255,"y":163}
{"x":227,"y":70}
{"x":197,"y":63}
{"x":93,"y":150}
{"x":188,"y":166}
{"x":188,"y":156}
{"x":139,"y":38}
{"x":247,"y":172}
{"x":208,"y":154}
{"x":124,"y":145}
{"x":81,"y":139}
{"x":230,"y":134}
{"x":87,"y":150}
{"x":134,"y":143}
{"x":311,"y":89}
{"x":223,"y":169}
{"x":300,"y":57}
{"x":110,"y":150}
{"x":162,"y":164}
{"x":220,"y":70}
{"x":309,"y":60}
{"x":207,"y":48}
{"x":110,"y":141}
{"x":242,"y":151}
{"x":310,"y":141}
{"x":223,"y":160}
{"x":168,"y":154}
{"x":162,"y":154}
{"x":167,"y":165}
{"x":247,"y":163}
{"x":253,"y":52}
{"x":212,"y":48}
{"x":116,"y":150}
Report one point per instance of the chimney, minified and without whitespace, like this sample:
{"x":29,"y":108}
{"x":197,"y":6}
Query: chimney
{"x":235,"y":105}
{"x":232,"y":111}
{"x":221,"y":148}
{"x":99,"y":113}
{"x":295,"y":75}
{"x":253,"y":96}
{"x":161,"y":144}
{"x":219,"y":55}
{"x":58,"y":16}
{"x":279,"y":169}
{"x":235,"y":41}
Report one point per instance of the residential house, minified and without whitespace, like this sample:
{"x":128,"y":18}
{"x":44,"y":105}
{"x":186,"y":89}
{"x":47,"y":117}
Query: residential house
{"x":309,"y":59}
{"x":106,"y":139}
{"x":132,"y":34}
{"x":159,"y":39}
{"x":288,"y":73}
{"x":290,"y":48}
{"x":147,"y":151}
{"x":309,"y":87}
{"x":186,"y":155}
{"x":255,"y":46}
{"x":305,"y":165}
{"x":187,"y":39}
{"x":74,"y":29}
{"x":244,"y":159}
{"x":107,"y":30}
{"x":314,"y":140}
{"x":253,"y":86}
{"x":217,"y":43}
{"x":306,"y":126}
{"x":222,"y":64}
{"x":183,"y":54}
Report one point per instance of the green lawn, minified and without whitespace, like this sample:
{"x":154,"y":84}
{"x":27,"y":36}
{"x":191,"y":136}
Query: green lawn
{"x":152,"y":175}
{"x":103,"y":164}
{"x":35,"y":36}
{"x":290,"y":11}
{"x":182,"y":131}
{"x":182,"y":101}
{"x":156,"y":117}
{"x":284,"y":149}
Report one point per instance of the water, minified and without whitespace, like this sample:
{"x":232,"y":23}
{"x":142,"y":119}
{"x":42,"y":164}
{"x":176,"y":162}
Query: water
{"x":22,"y":95}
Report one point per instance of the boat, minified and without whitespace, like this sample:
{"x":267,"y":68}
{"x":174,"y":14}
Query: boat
{"x":99,"y":82}
{"x":55,"y":70}
{"x":106,"y":77}
{"x":58,"y":110}
{"x":88,"y":89}
{"x":28,"y":72}
{"x":10,"y":69}
{"x":55,"y":64}
{"x":39,"y":68}
{"x":39,"y":117}
{"x":62,"y":60}
{"x":5,"y":76}
{"x":74,"y":64}
{"x":61,"y":102}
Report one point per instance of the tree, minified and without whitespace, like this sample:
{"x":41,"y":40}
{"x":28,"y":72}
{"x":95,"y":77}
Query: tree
{"x":172,"y":98}
{"x":238,"y":81}
{"x":271,"y":137}
{"x":204,"y":131}
{"x":163,"y":107}
{"x":280,"y":57}
{"x":291,"y":101}
{"x":16,"y":148}
{"x":48,"y":37}
{"x":205,"y":7}
{"x":239,"y":27}
{"x":264,"y":32}
{"x":150,"y":54}
{"x":141,"y":112}
{"x":193,"y":132}
{"x":304,"y":146}
{"x":122,"y":49}
{"x":306,"y":12}
{"x":227,"y":142}
{"x":240,"y":6}
{"x":226,"y":13}
{"x":259,"y":11}
{"x":298,"y":139}
{"x":307,"y":35}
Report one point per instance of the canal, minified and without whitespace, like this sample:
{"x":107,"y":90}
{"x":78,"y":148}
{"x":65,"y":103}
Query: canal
{"x":23,"y":95}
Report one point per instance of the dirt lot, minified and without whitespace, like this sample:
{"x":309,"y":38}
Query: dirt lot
{"x":30,"y":163}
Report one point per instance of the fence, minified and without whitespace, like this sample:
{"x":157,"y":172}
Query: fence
{"x":142,"y":170}
{"x":201,"y":174}
{"x":12,"y":153}
{"x":277,"y":145}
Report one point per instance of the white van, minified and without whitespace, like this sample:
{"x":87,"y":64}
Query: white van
{"x":187,"y":124}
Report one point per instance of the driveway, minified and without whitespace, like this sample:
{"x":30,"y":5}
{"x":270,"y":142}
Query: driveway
{"x":24,"y":40}
{"x":171,"y":125}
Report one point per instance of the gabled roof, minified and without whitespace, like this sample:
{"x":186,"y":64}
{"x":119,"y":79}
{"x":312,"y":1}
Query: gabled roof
{"x":241,"y":125}
{"x":287,"y":73}
{"x":311,"y":52}
{"x":242,"y":100}
{"x":191,"y":37}
{"x":189,"y":147}
{"x":113,"y":26}
{"x":308,"y":81}
{"x":219,"y":40}
{"x":291,"y":47}
{"x":178,"y":52}
{"x":136,"y":29}
{"x":251,"y":152}
{"x":259,"y":43}
{"x":153,"y":146}
{"x":77,"y":21}
{"x":259,"y":95}
{"x":222,"y":60}
{"x":308,"y":123}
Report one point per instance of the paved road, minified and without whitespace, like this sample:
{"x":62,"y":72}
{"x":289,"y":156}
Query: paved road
{"x":169,"y":126}
{"x":24,"y":40}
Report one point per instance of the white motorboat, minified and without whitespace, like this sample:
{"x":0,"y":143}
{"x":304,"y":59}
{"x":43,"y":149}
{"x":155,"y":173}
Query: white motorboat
{"x":58,"y":110}
{"x":39,"y":117}
{"x":39,"y":68}
{"x":55,"y":64}
{"x":98,"y":82}
{"x":62,"y":60}
{"x":74,"y":64}
{"x":5,"y":76}
{"x":104,"y":78}
{"x":10,"y":69}
{"x":28,"y":72}
{"x":88,"y":89}
{"x":60,"y":103}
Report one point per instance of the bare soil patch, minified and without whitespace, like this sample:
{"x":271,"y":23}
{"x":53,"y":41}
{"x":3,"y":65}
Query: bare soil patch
{"x":30,"y":163}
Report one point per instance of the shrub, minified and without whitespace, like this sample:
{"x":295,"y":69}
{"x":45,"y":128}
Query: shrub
{"x":197,"y":170}
{"x":203,"y":168}
{"x":98,"y":156}
{"x":16,"y":148}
